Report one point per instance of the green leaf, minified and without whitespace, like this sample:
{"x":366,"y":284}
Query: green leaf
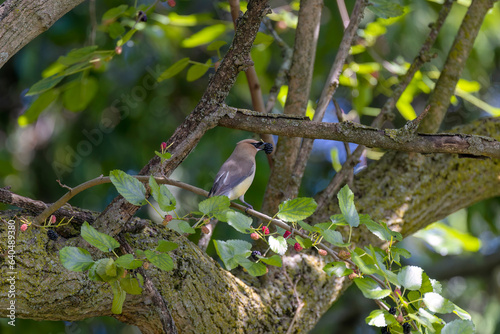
{"x":118,"y":297}
{"x":364,"y":262}
{"x":126,"y":38}
{"x":107,"y":270}
{"x":93,"y":273}
{"x":338,"y":269}
{"x":274,"y":260}
{"x":437,"y":303}
{"x":254,"y":268}
{"x":166,"y":201}
{"x":196,"y":71}
{"x":131,"y":285}
{"x":377,"y":229}
{"x":304,"y":242}
{"x":335,"y":238}
{"x":278,"y":245}
{"x":371,"y":289}
{"x":215,"y":204}
{"x":227,"y":251}
{"x":115,"y":30}
{"x":346,"y":203}
{"x":306,"y":226}
{"x":380,"y":318}
{"x":386,"y":8}
{"x":216,"y":45}
{"x":79,"y":93}
{"x":44,"y":84}
{"x":114,"y":13}
{"x":180,"y":226}
{"x":297,"y":209}
{"x":37,"y":107}
{"x":163,"y":156}
{"x":426,"y":284}
{"x":78,"y":55}
{"x":204,"y":36}
{"x":398,"y":252}
{"x":128,"y":261}
{"x":411,"y":277}
{"x":129,"y":187}
{"x":174,"y":69}
{"x":166,"y":246}
{"x":263,"y":39}
{"x":162,"y":261}
{"x":459,"y":327}
{"x":239,"y":221}
{"x":97,"y":239}
{"x":75,"y":258}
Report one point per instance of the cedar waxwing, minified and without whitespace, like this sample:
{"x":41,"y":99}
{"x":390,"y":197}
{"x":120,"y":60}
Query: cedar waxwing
{"x":236,"y":174}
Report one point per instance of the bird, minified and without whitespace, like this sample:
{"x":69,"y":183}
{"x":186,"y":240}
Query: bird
{"x":237,"y":172}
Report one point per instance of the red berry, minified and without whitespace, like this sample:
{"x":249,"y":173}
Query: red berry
{"x":353,"y":276}
{"x":265,"y":230}
{"x":171,"y":3}
{"x":322,"y":252}
{"x":287,"y":234}
{"x":52,"y":219}
{"x":254,"y":236}
{"x":24,"y":227}
{"x":118,"y":50}
{"x":167,"y":219}
{"x":297,"y":247}
{"x":163,"y":146}
{"x":344,"y":255}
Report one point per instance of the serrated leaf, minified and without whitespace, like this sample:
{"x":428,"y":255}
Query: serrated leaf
{"x":364,"y":262}
{"x":128,"y":261}
{"x":75,"y":258}
{"x":131,"y":285}
{"x":306,"y":226}
{"x":239,"y":221}
{"x":180,"y":226}
{"x":297,"y":209}
{"x":79,"y":93}
{"x":398,"y":252}
{"x":97,"y":239}
{"x":166,"y":246}
{"x":437,"y":303}
{"x":227,"y":250}
{"x":215,"y":45}
{"x":459,"y":327}
{"x":174,"y":69}
{"x":346,"y":204}
{"x":213,"y":205}
{"x":129,"y":187}
{"x":304,"y":242}
{"x":119,"y":296}
{"x":380,"y":318}
{"x":370,"y":289}
{"x":411,"y":277}
{"x":196,"y":71}
{"x":114,"y":13}
{"x":253,"y":268}
{"x":278,"y":245}
{"x":204,"y":36}
{"x":377,"y":229}
{"x":162,"y":261}
{"x":93,"y":273}
{"x":37,"y":107}
{"x":274,"y":260}
{"x":334,"y":237}
{"x":338,"y":269}
{"x":166,"y":201}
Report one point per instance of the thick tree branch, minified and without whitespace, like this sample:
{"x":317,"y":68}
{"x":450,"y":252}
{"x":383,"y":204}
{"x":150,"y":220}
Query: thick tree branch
{"x":22,"y":21}
{"x":354,"y":133}
{"x":299,"y":85}
{"x":455,"y":63}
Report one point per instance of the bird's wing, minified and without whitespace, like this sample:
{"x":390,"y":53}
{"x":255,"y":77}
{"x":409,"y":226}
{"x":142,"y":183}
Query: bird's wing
{"x":229,"y":176}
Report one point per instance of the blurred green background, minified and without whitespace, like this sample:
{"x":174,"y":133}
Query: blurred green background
{"x":77,"y":146}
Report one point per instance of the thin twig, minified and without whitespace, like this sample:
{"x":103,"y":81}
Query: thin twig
{"x":343,"y":13}
{"x":300,"y":303}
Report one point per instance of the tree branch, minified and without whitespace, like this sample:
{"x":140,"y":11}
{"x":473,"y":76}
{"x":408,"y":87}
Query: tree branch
{"x":299,"y":85}
{"x":23,"y":20}
{"x":455,"y":63}
{"x":354,"y":133}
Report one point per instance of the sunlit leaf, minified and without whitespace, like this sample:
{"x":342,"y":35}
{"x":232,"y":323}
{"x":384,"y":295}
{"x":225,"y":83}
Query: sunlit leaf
{"x":102,"y":241}
{"x":370,"y":289}
{"x":297,"y":209}
{"x":174,"y":69}
{"x":239,"y":221}
{"x":204,"y":36}
{"x":37,"y":107}
{"x":346,"y":204}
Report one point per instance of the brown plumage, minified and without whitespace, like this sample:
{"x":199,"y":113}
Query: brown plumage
{"x":236,"y":174}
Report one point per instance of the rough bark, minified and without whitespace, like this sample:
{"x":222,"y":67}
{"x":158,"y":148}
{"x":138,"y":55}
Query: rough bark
{"x":22,"y":21}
